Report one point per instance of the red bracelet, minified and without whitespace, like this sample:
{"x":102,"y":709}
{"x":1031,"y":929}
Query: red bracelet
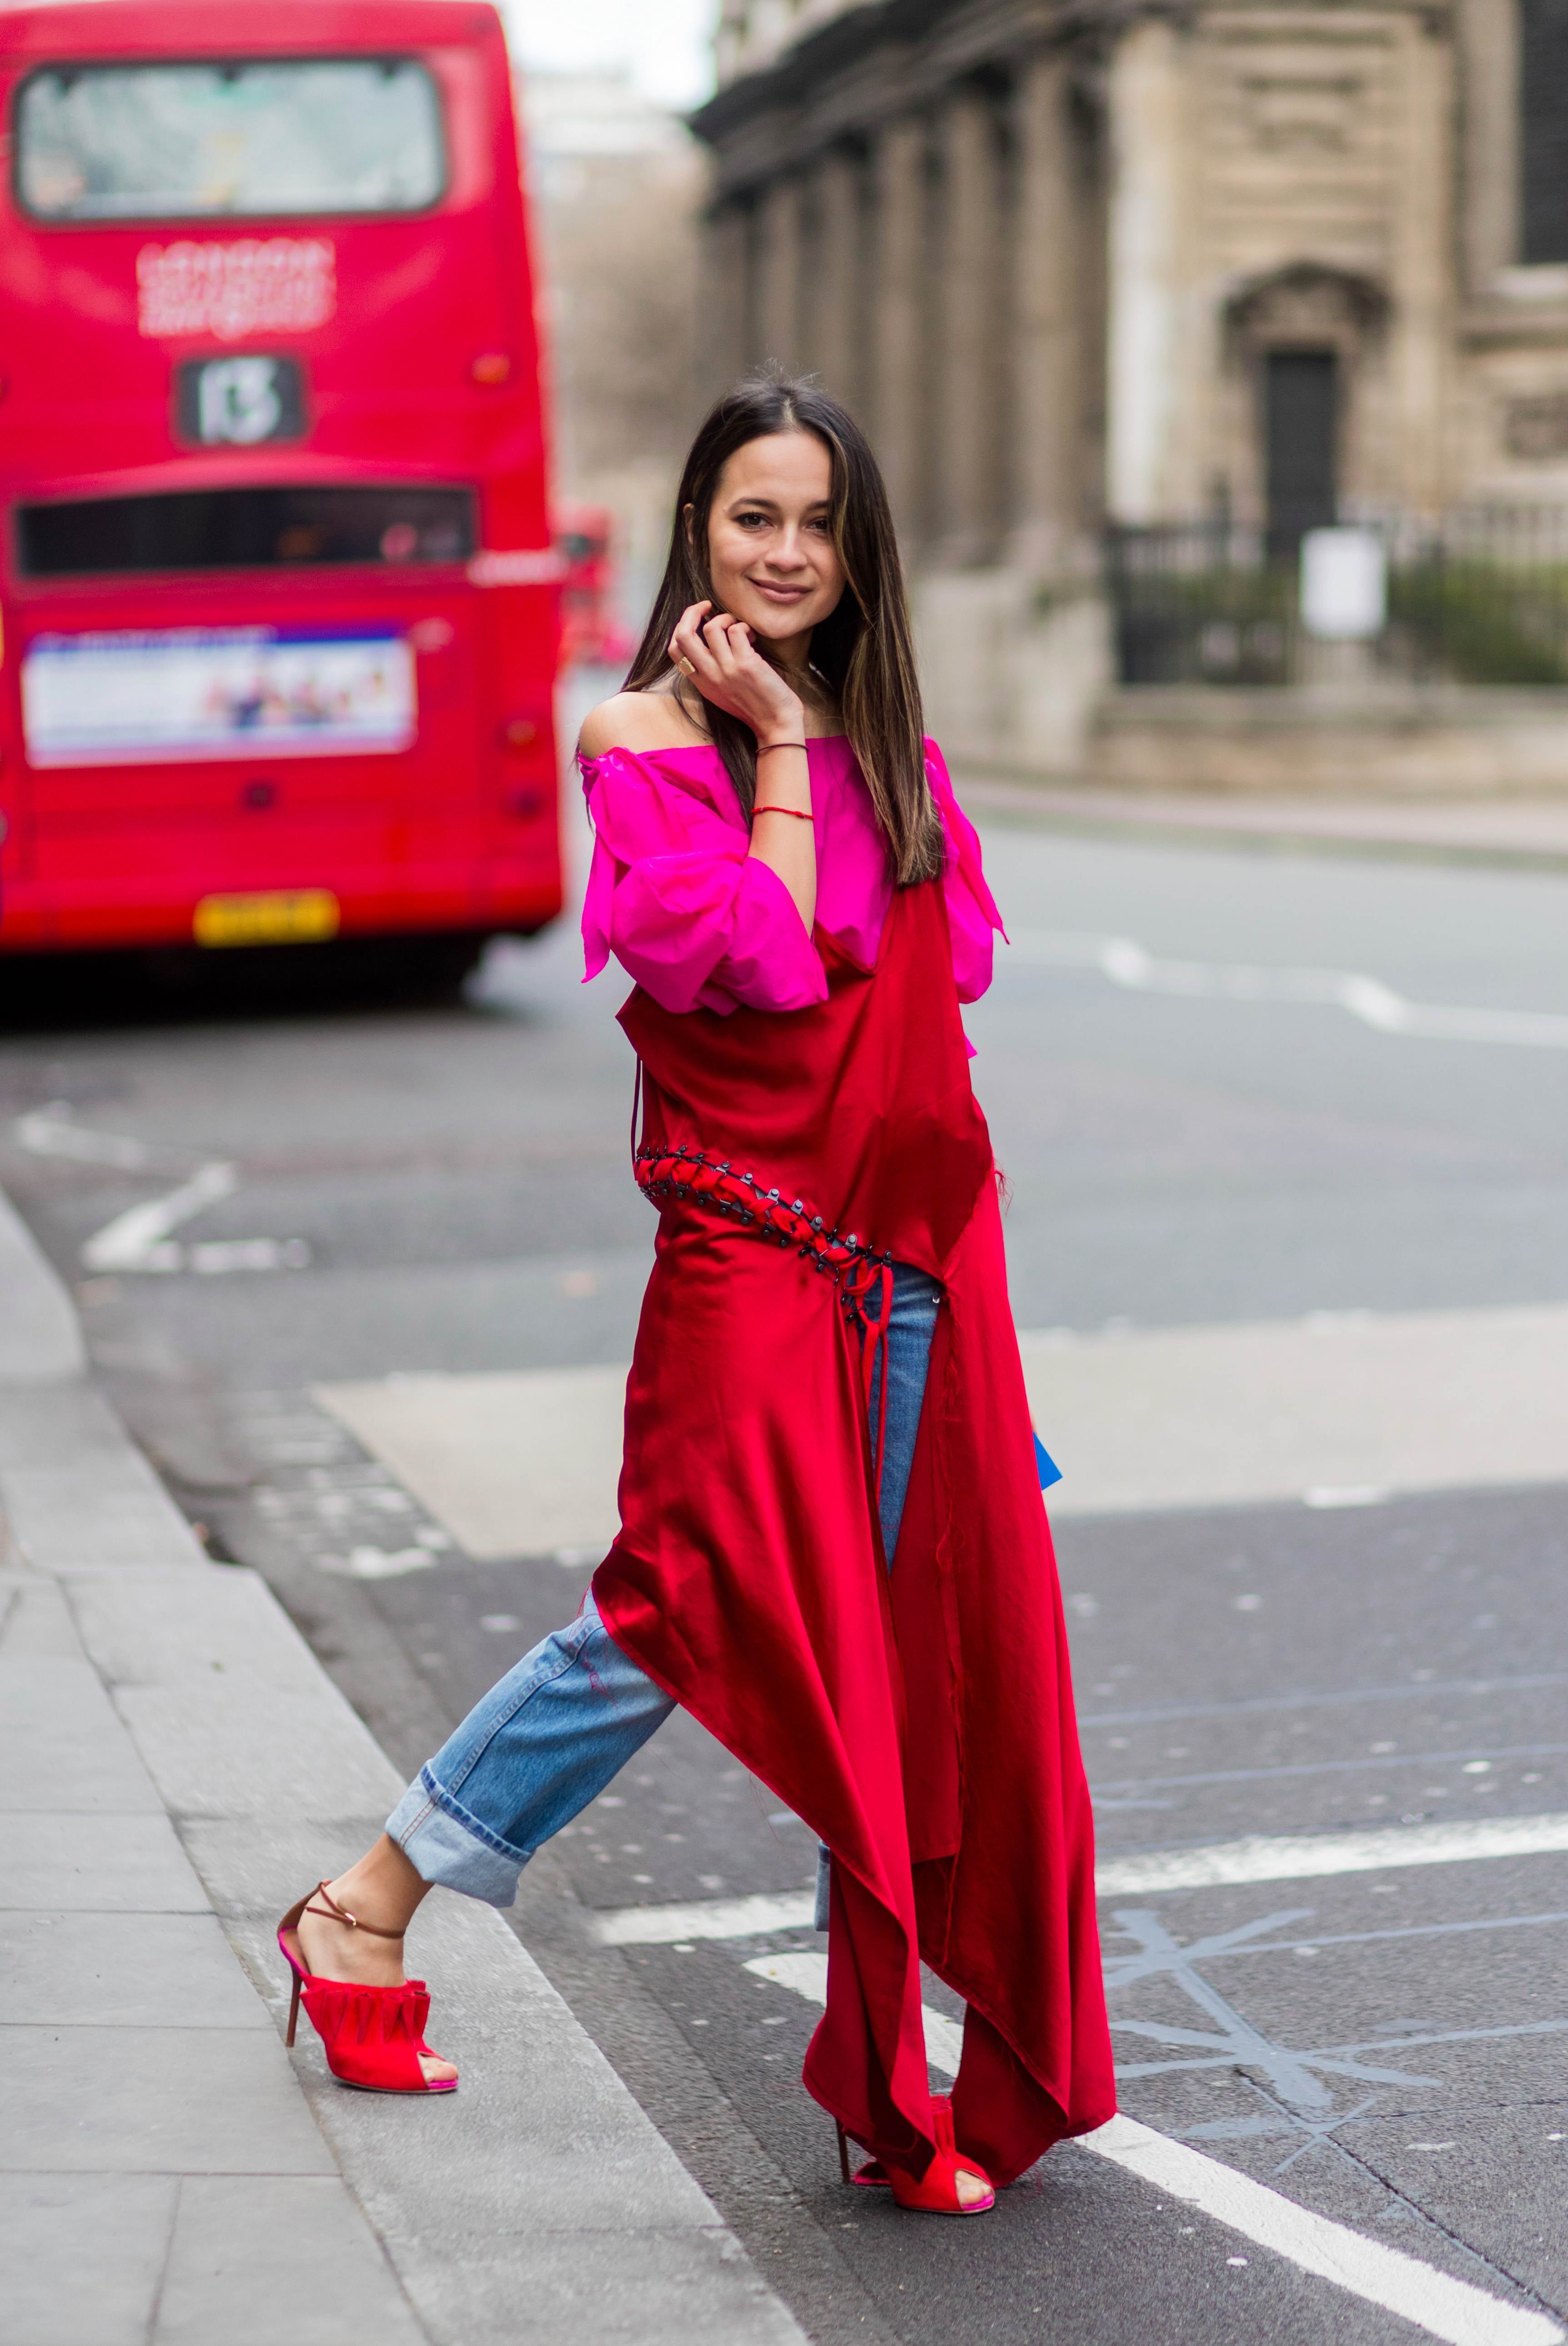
{"x":799,"y":814}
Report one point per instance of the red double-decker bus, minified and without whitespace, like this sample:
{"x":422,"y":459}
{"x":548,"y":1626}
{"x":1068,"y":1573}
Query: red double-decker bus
{"x":276,"y":581}
{"x":591,"y":631}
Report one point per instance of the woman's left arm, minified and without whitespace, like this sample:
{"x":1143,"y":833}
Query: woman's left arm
{"x":972,"y":918}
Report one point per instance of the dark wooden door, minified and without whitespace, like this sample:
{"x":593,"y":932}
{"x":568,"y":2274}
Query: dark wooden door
{"x":1543,"y":130}
{"x":1301,"y":453}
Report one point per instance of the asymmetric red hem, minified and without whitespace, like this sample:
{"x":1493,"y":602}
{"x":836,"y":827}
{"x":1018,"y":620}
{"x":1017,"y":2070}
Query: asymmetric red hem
{"x":921,"y":1723}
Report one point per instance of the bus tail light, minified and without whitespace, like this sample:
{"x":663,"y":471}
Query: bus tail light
{"x":519,"y":733}
{"x":492,"y":367}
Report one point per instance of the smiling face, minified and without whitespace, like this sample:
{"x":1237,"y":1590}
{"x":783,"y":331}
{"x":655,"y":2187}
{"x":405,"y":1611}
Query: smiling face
{"x":770,"y":550}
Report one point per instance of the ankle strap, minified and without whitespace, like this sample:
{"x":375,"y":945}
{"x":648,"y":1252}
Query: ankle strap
{"x":333,"y":1911}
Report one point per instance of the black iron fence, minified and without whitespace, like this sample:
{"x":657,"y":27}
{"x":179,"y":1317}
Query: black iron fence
{"x":1478,"y":598}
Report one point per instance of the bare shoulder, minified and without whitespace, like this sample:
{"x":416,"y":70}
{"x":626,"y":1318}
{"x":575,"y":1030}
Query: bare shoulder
{"x":637,"y":720}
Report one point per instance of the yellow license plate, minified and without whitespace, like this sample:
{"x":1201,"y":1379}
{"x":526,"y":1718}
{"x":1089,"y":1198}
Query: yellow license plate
{"x":279,"y":916}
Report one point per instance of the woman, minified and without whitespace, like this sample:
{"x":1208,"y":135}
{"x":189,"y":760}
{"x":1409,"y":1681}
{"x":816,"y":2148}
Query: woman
{"x":832,"y":1548}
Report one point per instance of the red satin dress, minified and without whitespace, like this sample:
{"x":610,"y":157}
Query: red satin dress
{"x":921,"y":1723}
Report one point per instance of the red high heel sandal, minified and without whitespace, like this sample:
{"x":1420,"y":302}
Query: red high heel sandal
{"x":936,"y":2193}
{"x":373,"y":2036}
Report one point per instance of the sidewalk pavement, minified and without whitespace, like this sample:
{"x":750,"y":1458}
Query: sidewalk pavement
{"x":1528,"y":833}
{"x":175,"y":1768}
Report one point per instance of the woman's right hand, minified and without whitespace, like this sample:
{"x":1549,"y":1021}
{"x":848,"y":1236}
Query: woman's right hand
{"x":717,"y":655}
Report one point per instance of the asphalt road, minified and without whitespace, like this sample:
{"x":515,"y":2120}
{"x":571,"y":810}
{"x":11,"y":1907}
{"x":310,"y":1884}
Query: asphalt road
{"x":444,"y":1189}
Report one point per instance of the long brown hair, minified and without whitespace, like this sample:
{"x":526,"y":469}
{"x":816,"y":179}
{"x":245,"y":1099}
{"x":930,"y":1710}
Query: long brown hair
{"x":864,"y":649}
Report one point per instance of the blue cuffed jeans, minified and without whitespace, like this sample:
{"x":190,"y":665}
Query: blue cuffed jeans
{"x":551,"y":1734}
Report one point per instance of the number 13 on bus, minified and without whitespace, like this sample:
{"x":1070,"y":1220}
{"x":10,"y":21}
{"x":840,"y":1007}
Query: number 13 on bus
{"x":277,"y":593}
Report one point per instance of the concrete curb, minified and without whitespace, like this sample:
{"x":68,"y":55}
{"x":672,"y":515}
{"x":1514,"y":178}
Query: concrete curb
{"x":40,"y":1338}
{"x":175,"y":1766}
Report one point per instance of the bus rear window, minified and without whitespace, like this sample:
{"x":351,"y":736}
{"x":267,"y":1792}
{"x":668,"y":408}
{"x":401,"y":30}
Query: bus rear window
{"x":243,"y":529}
{"x":326,"y":134}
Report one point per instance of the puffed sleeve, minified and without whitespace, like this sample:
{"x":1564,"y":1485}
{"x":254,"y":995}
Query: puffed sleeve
{"x":674,"y":895}
{"x":972,"y":915}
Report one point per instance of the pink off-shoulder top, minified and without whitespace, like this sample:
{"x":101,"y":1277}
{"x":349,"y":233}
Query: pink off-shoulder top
{"x":701,"y":924}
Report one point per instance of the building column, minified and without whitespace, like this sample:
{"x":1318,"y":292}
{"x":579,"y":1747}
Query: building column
{"x":1045,"y":362}
{"x":1420,"y":333}
{"x":965,"y":452}
{"x":1143,"y":266}
{"x":833,"y":297}
{"x":724,"y":311}
{"x":1488,"y":45}
{"x":899,"y":360}
{"x":780,"y":263}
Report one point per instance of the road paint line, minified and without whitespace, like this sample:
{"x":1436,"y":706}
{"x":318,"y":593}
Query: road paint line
{"x":1130,"y":964}
{"x":1469,"y":1762}
{"x":1453,"y":2311}
{"x":1217,"y":1865}
{"x":710,"y":1918}
{"x":1421,"y":1689}
{"x":376,"y":1563}
{"x":1354,"y":1412}
{"x":513,"y":1462}
{"x":136,"y":1240}
{"x":213,"y":1256}
{"x":50,"y":1132}
{"x":1269,"y":1857}
{"x":807,"y":1976}
{"x":1340,"y":1412}
{"x":139,"y":1239}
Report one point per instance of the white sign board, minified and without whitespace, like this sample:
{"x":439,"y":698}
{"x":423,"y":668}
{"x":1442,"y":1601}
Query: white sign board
{"x":260,"y":285}
{"x":143,"y":698}
{"x":1344,"y":584}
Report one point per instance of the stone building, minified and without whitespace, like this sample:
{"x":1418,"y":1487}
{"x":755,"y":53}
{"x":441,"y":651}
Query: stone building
{"x":1080,"y":261}
{"x":616,"y":184}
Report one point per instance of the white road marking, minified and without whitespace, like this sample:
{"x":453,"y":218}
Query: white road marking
{"x":1342,"y":1410}
{"x":709,"y":1918}
{"x":139,"y":1239}
{"x":1424,"y":1686}
{"x":375,"y":1563}
{"x":49,"y":1132}
{"x":807,"y":1976}
{"x":210,"y":1256}
{"x":521,"y":1463}
{"x":1130,"y":964}
{"x":1287,"y":1857}
{"x":1453,"y":2311}
{"x":1444,"y":2308}
{"x":1262,"y":1856}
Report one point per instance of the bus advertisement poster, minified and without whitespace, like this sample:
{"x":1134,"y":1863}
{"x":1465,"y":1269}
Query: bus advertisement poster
{"x":142,"y":697}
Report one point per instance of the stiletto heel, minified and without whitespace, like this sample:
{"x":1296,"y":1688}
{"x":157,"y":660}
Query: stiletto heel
{"x":936,"y":2193}
{"x":373,"y":2037}
{"x":843,"y":2152}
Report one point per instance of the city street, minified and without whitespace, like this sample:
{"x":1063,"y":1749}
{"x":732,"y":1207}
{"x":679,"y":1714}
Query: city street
{"x":349,"y":1271}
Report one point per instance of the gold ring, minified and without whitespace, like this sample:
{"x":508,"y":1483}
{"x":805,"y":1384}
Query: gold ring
{"x":684,"y":665}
